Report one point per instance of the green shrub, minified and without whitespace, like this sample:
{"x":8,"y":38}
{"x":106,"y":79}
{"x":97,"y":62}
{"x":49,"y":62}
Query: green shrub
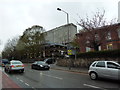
{"x":100,"y":54}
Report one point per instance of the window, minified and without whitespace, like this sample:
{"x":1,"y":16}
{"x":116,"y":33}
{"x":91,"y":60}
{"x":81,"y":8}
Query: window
{"x":99,"y":48}
{"x":108,"y":37}
{"x":112,"y":65}
{"x":96,"y":37}
{"x":119,"y":33}
{"x":88,"y":49}
{"x":94,"y":65}
{"x":109,"y":47}
{"x":100,"y":64}
{"x":16,"y":62}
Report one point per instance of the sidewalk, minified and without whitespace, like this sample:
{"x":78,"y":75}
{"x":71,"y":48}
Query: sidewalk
{"x":79,"y":70}
{"x":6,"y":82}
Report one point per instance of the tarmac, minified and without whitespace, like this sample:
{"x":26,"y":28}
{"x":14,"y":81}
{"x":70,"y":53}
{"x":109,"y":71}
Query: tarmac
{"x":8,"y":83}
{"x":70,"y":69}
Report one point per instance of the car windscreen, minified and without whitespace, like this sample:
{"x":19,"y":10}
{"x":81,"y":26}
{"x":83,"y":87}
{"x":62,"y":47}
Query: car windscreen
{"x":16,"y":62}
{"x":41,"y":62}
{"x":4,"y":60}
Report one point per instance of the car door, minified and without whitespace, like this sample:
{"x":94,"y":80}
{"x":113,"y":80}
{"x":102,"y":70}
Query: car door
{"x":113,"y":70}
{"x":34,"y":65}
{"x":101,"y":69}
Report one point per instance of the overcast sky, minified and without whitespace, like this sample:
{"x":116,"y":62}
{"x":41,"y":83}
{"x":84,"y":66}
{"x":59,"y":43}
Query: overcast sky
{"x":18,"y":15}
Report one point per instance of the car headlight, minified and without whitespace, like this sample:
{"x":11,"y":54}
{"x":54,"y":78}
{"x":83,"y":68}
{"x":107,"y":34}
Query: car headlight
{"x":41,"y":65}
{"x":49,"y":65}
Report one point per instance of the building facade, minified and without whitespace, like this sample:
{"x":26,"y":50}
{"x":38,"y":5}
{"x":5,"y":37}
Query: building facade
{"x":61,"y":35}
{"x":107,"y":37}
{"x":119,"y":11}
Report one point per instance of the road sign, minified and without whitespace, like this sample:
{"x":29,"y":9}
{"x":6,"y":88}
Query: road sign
{"x":69,"y":52}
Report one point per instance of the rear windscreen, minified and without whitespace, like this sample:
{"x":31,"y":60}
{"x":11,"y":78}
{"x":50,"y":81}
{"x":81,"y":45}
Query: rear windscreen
{"x":16,"y":62}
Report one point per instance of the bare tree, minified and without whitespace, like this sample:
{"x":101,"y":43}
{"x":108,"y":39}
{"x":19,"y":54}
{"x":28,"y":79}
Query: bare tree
{"x":91,"y":27}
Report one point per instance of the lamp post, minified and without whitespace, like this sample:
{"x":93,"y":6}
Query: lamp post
{"x":68,"y":32}
{"x":67,"y":20}
{"x":66,"y":13}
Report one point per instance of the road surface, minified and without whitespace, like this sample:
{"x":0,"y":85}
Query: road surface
{"x":58,"y":79}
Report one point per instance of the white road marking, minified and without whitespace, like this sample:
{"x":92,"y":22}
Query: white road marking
{"x":93,"y":86}
{"x":6,"y":74}
{"x":21,"y":80}
{"x":1,"y":68}
{"x":17,"y":78}
{"x":33,"y":88}
{"x":27,"y":84}
{"x":51,"y":76}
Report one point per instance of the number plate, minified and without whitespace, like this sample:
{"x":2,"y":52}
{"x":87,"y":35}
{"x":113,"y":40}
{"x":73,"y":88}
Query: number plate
{"x":18,"y":66}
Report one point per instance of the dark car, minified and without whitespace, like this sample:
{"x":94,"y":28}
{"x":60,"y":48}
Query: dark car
{"x":40,"y":65}
{"x":49,"y":60}
{"x":3,"y":62}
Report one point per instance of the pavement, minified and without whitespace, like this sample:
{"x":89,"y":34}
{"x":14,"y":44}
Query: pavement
{"x":70,"y":69}
{"x":6,"y":81}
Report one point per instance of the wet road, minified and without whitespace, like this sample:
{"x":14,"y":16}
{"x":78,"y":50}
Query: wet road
{"x":58,"y":79}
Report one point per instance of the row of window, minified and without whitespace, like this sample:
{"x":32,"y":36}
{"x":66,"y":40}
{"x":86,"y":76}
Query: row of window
{"x":108,"y":37}
{"x":109,"y":47}
{"x":109,"y":65}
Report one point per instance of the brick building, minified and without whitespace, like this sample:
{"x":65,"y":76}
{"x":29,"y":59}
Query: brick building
{"x":107,"y":37}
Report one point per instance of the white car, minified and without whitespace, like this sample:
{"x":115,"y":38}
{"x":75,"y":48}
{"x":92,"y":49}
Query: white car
{"x":105,"y":69}
{"x":14,"y":65}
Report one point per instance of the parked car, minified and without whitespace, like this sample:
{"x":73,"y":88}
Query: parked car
{"x":105,"y":69}
{"x":49,"y":60}
{"x":3,"y":62}
{"x":40,"y":65}
{"x":14,"y":65}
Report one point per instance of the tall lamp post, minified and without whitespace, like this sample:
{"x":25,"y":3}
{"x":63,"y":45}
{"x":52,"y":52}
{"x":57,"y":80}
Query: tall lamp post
{"x":67,"y":20}
{"x":66,"y":13}
{"x":68,"y":31}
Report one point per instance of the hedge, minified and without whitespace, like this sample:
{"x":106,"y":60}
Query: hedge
{"x":100,"y":54}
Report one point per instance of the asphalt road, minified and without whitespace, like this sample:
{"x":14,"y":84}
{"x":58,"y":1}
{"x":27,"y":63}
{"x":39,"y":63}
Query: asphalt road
{"x":59,"y":79}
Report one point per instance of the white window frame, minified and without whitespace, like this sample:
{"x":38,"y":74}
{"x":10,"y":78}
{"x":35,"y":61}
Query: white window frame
{"x":88,"y":49}
{"x":119,"y":33}
{"x":109,"y":48}
{"x":109,"y":36}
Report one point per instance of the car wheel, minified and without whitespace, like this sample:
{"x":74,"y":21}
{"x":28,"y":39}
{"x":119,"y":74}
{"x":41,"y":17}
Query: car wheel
{"x":93,"y":75}
{"x":22,"y":71}
{"x":48,"y":68}
{"x":31,"y":67}
{"x":5,"y":70}
{"x":9,"y":71}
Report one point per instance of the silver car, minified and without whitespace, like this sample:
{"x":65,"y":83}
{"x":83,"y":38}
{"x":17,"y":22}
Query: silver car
{"x":14,"y":65}
{"x":105,"y":69}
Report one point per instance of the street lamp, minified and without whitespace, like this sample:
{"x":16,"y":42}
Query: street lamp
{"x":66,"y":13}
{"x":67,"y":20}
{"x":68,"y":30}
